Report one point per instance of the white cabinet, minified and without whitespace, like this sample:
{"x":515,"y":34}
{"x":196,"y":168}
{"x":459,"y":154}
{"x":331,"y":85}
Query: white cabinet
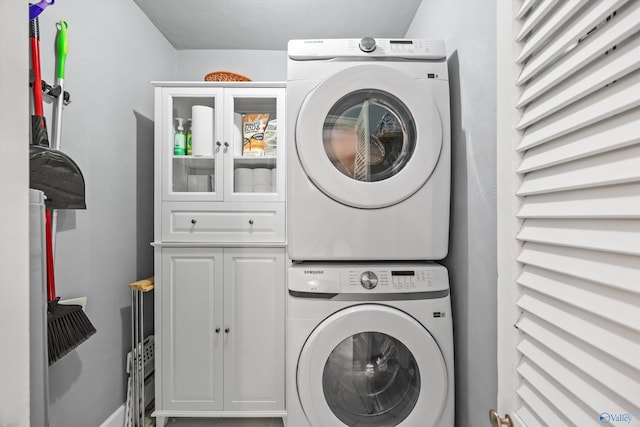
{"x":219,"y":231}
{"x":223,"y":340}
{"x":191,"y":342}
{"x":222,"y":173}
{"x":218,"y":168}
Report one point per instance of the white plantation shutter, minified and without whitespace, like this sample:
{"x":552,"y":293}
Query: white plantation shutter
{"x":576,"y":185}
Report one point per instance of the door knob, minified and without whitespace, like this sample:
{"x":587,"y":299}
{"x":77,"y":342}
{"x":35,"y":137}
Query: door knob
{"x":497,"y":421}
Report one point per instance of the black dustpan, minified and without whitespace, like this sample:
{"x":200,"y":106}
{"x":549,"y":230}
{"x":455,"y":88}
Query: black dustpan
{"x":52,"y":171}
{"x":58,"y":176}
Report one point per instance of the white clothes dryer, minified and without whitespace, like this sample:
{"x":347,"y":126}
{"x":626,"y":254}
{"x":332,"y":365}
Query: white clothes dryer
{"x":368,"y":132}
{"x":369,"y":345}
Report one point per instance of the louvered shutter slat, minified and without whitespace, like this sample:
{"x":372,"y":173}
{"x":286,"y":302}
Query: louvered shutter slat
{"x":620,"y":131}
{"x":600,"y":235}
{"x":622,"y":61}
{"x":622,"y":96}
{"x":586,"y":327}
{"x":525,"y":414}
{"x":627,"y":22}
{"x":574,"y":382}
{"x":540,"y":37}
{"x":526,"y":6}
{"x":573,"y":229}
{"x":617,"y":382}
{"x":582,"y":294}
{"x":535,"y":17}
{"x":614,"y":270}
{"x":556,"y":407}
{"x":616,"y":167}
{"x":617,"y":201}
{"x":558,"y":45}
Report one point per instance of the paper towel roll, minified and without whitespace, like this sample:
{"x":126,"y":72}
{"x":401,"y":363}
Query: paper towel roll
{"x":202,"y":126}
{"x":237,"y":134}
{"x":262,"y":176}
{"x":243,"y":177}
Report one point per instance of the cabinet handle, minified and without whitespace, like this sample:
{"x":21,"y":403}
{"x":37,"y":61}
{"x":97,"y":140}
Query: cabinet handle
{"x":251,"y":221}
{"x":193,"y":221}
{"x":227,"y":330}
{"x":218,"y":143}
{"x":217,"y":330}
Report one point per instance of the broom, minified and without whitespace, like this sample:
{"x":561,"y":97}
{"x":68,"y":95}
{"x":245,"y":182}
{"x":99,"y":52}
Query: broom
{"x":67,"y":325}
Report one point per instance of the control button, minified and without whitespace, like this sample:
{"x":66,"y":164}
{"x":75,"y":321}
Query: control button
{"x":368,"y":280}
{"x":368,"y":44}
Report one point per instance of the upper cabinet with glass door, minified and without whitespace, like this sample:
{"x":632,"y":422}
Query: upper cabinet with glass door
{"x":222,"y":143}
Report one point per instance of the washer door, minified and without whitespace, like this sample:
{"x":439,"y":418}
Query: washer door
{"x":369,"y":136}
{"x":371,"y":365}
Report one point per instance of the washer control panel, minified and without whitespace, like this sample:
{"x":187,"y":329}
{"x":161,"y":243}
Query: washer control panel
{"x":368,"y":278}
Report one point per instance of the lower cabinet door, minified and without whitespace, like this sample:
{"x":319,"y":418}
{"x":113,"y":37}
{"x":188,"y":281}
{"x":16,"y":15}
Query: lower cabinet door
{"x":254,"y":315}
{"x":192,"y":332}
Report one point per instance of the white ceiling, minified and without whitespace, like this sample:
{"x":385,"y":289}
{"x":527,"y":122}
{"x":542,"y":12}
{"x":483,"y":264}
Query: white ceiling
{"x":269,"y":24}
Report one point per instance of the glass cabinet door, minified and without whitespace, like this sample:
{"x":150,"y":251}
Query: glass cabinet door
{"x":193,"y":130}
{"x":254,"y":169}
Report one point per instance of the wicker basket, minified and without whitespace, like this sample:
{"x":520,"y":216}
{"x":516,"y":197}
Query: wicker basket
{"x":225,"y":76}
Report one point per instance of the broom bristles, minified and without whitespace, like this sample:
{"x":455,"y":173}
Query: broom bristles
{"x":67,"y":327}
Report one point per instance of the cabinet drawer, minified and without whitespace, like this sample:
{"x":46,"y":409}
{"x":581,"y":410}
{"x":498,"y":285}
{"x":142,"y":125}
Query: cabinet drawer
{"x":228,"y":222}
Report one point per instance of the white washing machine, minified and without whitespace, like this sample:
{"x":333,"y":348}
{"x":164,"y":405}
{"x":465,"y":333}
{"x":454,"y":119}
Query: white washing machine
{"x":369,"y":345}
{"x":368,"y":135}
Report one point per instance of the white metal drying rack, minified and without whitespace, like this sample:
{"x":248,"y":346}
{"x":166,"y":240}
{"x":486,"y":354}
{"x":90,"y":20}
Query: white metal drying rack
{"x":140,"y":359}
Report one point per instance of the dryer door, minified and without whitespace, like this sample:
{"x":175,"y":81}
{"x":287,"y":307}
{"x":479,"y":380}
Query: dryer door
{"x":371,"y":365}
{"x":369,"y":136}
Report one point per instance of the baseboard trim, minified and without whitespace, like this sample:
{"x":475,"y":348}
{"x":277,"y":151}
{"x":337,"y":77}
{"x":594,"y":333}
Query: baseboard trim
{"x":116,"y":419}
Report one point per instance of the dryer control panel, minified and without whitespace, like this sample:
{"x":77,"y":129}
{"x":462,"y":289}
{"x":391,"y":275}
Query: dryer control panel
{"x":368,"y":278}
{"x":315,"y":49}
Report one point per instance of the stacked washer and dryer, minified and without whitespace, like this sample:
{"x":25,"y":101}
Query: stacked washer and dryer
{"x":369,"y":325}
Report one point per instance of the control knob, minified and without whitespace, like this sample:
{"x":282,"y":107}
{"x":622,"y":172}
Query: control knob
{"x":368,"y":280}
{"x":368,"y":44}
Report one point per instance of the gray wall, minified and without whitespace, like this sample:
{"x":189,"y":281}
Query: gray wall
{"x":14,"y":215}
{"x":258,"y":65}
{"x":114,"y":52}
{"x":469,"y":30}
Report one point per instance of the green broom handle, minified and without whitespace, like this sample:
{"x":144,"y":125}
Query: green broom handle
{"x":62,"y":48}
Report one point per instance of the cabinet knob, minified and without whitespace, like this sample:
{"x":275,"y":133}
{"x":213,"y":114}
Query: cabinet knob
{"x":227,"y":330}
{"x":251,"y":221}
{"x":226,"y":144}
{"x":193,"y":221}
{"x":217,"y":330}
{"x":218,"y":143}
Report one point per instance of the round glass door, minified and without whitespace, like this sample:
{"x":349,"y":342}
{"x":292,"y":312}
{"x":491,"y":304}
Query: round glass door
{"x":371,"y":365}
{"x":369,"y":136}
{"x":371,"y":376}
